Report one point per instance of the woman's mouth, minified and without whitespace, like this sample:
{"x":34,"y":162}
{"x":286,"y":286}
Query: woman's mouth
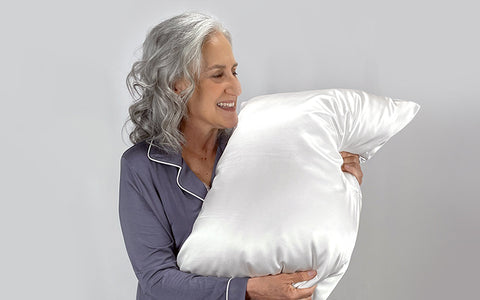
{"x":229,"y":106}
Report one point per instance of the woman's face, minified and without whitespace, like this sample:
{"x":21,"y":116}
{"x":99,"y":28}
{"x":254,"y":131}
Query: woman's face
{"x":214,"y":101}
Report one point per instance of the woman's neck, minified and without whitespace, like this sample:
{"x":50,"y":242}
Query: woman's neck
{"x":199,"y":141}
{"x":199,"y":151}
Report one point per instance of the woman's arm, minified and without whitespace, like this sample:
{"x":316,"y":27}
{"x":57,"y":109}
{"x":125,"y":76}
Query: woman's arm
{"x":150,"y":247}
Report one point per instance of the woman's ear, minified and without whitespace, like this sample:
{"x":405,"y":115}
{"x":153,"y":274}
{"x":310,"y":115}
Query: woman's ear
{"x":179,"y":86}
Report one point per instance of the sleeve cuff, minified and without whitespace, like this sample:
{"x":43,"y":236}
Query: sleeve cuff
{"x":236,"y":288}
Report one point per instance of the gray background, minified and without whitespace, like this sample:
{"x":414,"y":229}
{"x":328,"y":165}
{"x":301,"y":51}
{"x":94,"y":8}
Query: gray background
{"x":64,"y":102}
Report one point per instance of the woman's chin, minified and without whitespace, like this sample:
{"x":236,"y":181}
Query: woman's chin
{"x":229,"y":124}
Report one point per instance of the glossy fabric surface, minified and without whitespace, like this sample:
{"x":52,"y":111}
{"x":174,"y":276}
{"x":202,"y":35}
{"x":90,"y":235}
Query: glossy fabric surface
{"x":279,"y":201}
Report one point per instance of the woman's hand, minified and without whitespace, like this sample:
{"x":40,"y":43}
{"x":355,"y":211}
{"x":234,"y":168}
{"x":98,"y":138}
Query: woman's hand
{"x":280,"y":286}
{"x":351,"y":164}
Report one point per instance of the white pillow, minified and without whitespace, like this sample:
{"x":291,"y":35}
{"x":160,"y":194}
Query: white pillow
{"x":279,"y":201}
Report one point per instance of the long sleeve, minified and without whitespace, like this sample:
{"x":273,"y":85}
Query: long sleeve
{"x":150,"y":245}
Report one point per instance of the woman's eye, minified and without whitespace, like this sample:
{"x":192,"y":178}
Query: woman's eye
{"x":220,"y":75}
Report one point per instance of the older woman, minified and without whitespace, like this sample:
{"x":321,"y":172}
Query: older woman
{"x":186,"y":90}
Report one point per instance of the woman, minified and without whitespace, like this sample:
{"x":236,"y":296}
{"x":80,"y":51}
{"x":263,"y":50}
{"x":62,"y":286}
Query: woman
{"x":186,"y":87}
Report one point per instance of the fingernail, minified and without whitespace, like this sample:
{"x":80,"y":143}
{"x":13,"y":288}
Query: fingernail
{"x":311,"y":273}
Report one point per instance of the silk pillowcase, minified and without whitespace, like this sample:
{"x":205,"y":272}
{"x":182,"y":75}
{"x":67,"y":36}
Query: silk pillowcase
{"x":279,"y":202}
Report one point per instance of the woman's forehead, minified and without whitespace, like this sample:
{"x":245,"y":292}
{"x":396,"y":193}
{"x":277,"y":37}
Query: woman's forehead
{"x":217,"y":53}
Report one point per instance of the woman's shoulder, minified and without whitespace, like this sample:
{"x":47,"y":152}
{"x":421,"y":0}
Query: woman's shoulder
{"x":136,"y":158}
{"x":146,"y":155}
{"x":136,"y":153}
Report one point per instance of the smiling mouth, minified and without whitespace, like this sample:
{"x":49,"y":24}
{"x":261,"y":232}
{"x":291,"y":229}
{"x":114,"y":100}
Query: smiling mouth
{"x":226,"y":105}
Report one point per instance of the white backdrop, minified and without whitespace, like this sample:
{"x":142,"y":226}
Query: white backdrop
{"x":64,"y":102}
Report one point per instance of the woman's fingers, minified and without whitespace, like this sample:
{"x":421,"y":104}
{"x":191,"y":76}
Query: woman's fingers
{"x":274,"y":287}
{"x":351,"y":160}
{"x":351,"y":164}
{"x":355,"y":170}
{"x":345,"y":154}
{"x":302,"y":293}
{"x":301,"y":276}
{"x":305,"y":293}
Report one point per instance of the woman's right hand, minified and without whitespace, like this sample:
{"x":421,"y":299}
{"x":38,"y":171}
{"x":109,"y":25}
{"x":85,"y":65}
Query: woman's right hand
{"x":279,"y":286}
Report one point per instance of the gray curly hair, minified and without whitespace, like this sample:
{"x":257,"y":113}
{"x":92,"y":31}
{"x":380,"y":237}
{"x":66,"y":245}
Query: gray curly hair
{"x":172,"y":51}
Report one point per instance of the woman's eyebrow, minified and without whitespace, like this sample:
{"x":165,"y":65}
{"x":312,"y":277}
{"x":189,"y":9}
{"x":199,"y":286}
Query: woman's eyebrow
{"x":220,"y":67}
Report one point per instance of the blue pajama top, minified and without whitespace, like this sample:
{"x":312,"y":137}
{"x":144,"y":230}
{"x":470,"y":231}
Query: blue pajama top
{"x":160,"y":198}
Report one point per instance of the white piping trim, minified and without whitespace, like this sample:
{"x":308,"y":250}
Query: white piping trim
{"x":178,"y":173}
{"x":228,"y":286}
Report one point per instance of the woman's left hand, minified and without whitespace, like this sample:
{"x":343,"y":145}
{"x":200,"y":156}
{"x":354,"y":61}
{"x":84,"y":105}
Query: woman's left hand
{"x":351,"y":164}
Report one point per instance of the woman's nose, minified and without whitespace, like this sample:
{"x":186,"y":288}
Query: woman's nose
{"x":234,"y":88}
